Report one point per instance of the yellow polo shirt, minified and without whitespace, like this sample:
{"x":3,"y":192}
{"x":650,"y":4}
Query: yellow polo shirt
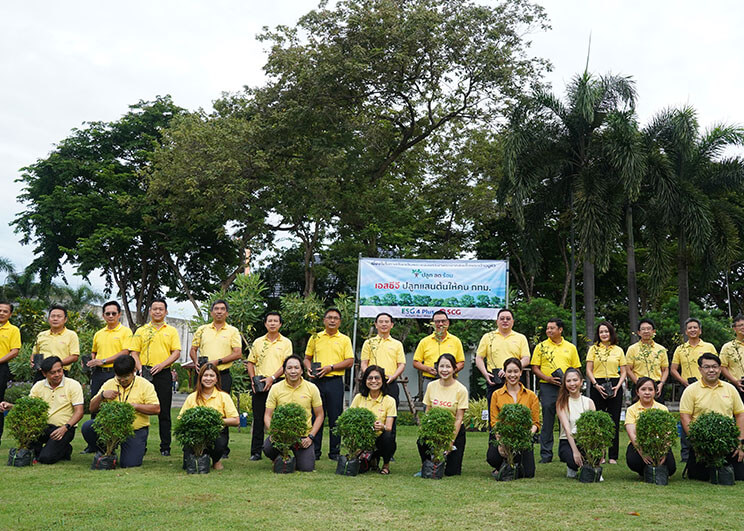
{"x":732,"y":357}
{"x":383,"y":406}
{"x":61,"y":400}
{"x":140,"y":391}
{"x":108,"y":342}
{"x":10,"y":338}
{"x":430,"y":348}
{"x":632,"y":413}
{"x":329,"y":349}
{"x":722,"y":398}
{"x":496,"y":348}
{"x":154,"y":345}
{"x":268,"y":356}
{"x":217,"y":344}
{"x":607,"y":360}
{"x":306,"y":394}
{"x":386,"y":353}
{"x":62,"y":345}
{"x":549,"y":356}
{"x":647,"y":360}
{"x":451,"y":397}
{"x":686,"y":356}
{"x":219,"y":400}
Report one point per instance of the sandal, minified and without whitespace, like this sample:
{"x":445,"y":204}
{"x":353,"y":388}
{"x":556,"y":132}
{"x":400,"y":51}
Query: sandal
{"x":385,"y":470}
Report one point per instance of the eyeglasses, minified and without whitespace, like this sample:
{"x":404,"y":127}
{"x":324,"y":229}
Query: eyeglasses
{"x":441,"y":321}
{"x":708,"y":367}
{"x":110,"y":314}
{"x":373,"y":378}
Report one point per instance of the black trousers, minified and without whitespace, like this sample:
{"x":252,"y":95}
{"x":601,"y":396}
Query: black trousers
{"x":258,"y":400}
{"x":217,"y":450}
{"x":565,"y":454}
{"x":163,"y":388}
{"x":636,"y":464}
{"x":453,"y":465}
{"x":226,"y":381}
{"x":48,"y":451}
{"x":548,"y":396}
{"x":525,"y":458}
{"x":385,"y":446}
{"x":99,"y":377}
{"x":490,"y":389}
{"x":4,"y":378}
{"x":332,"y":393}
{"x":613,"y":406}
{"x":696,"y":470}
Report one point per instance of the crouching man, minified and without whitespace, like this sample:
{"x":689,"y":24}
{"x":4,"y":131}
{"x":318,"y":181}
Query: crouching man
{"x":126,"y":387}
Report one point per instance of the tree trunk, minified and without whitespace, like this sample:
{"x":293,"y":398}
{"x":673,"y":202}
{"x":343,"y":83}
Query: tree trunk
{"x":567,"y":278}
{"x":682,"y":279}
{"x":633,"y":313}
{"x":589,"y":299}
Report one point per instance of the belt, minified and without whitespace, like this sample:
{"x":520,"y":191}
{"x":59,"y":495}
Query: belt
{"x":105,"y":369}
{"x":331,"y":377}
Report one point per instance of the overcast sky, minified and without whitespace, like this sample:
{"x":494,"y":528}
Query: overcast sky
{"x":65,"y":63}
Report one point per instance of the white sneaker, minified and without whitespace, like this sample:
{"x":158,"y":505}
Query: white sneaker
{"x":601,"y":478}
{"x":570,"y":473}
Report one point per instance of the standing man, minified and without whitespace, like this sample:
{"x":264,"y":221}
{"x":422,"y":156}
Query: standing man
{"x":550,"y":360}
{"x":732,"y":357}
{"x":332,"y":350}
{"x":267,"y":361}
{"x":711,"y":394}
{"x":154,"y":347}
{"x":57,"y":341}
{"x":386,"y":352}
{"x":497,"y":346}
{"x":432,"y":346}
{"x":219,"y":342}
{"x":65,"y":398}
{"x":647,"y":358}
{"x":687,"y":354}
{"x":10,"y":345}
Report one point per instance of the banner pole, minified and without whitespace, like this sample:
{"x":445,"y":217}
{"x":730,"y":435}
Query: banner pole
{"x":356,"y":320}
{"x":506,"y":298}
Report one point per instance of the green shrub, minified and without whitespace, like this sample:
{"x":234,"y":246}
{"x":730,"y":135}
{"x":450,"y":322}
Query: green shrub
{"x":243,"y":402}
{"x":713,"y":437}
{"x":16,"y":391}
{"x":113,"y":424}
{"x":19,"y":366}
{"x":405,"y":418}
{"x":594,"y":433}
{"x":512,"y":430}
{"x":27,"y":420}
{"x":473,"y":419}
{"x":288,"y":426}
{"x":198,"y":428}
{"x":437,"y":430}
{"x":356,"y":427}
{"x":656,"y":433}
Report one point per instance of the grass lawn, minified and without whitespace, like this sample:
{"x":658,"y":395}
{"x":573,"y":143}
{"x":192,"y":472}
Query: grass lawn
{"x":248,"y":495}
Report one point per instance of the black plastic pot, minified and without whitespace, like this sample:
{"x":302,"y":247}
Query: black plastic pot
{"x":509,"y":473}
{"x":691,"y":380}
{"x":20,"y":457}
{"x":723,"y":475}
{"x":84,"y":359}
{"x":103,"y":462}
{"x":607,"y":388}
{"x":202,"y":361}
{"x":656,"y":475}
{"x":258,"y":383}
{"x":497,"y":380}
{"x":197,"y":465}
{"x":432,"y":470}
{"x":558,"y":373}
{"x":314,"y":368}
{"x":146,"y":374}
{"x":589,"y":474}
{"x":346,"y":466}
{"x":38,"y":358}
{"x":285,"y":467}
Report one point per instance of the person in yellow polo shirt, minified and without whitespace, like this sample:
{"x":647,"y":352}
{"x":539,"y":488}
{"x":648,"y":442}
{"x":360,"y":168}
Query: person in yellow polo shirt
{"x":266,"y":361}
{"x":373,"y":396}
{"x":65,"y":398}
{"x":550,"y":360}
{"x":648,"y":358}
{"x":711,"y":394}
{"x":154,"y":347}
{"x":732,"y":357}
{"x":209,"y":393}
{"x":332,"y":351}
{"x":10,"y":345}
{"x":57,"y":341}
{"x":687,"y":354}
{"x":432,"y":346}
{"x":218,"y":342}
{"x":109,"y":343}
{"x":294,"y":388}
{"x":126,"y":386}
{"x":387,"y":352}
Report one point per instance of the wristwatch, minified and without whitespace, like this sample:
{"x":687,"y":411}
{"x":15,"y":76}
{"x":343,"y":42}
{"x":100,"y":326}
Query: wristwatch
{"x":311,"y":437}
{"x":68,"y":427}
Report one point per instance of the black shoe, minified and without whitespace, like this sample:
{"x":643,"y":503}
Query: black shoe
{"x":546,"y":460}
{"x":68,"y":453}
{"x":256,"y":457}
{"x":333,"y":457}
{"x":225,"y":455}
{"x":165,"y":453}
{"x":88,"y":451}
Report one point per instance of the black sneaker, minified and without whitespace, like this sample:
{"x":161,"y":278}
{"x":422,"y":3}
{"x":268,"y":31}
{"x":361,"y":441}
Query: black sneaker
{"x":165,"y":453}
{"x":545,"y":460}
{"x":256,"y":457}
{"x":88,"y":451}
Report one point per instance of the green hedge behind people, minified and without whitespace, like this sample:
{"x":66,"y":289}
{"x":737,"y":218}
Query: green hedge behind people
{"x":570,"y":404}
{"x":10,"y":346}
{"x":57,"y":341}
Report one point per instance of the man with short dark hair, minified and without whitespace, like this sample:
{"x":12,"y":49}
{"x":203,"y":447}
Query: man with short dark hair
{"x":154,"y":347}
{"x":126,"y":387}
{"x":57,"y":341}
{"x":332,"y":350}
{"x":109,"y":343}
{"x":732,"y":357}
{"x":65,"y":398}
{"x":385,"y":351}
{"x":10,"y":345}
{"x":711,"y":394}
{"x":219,"y":342}
{"x":434,"y":345}
{"x":648,"y":358}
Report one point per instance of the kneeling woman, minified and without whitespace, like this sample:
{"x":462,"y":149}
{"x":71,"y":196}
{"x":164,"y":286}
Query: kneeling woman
{"x":450,"y":394}
{"x":514,"y":393}
{"x":373,"y":395}
{"x":569,"y":406}
{"x":294,"y":388}
{"x":646,"y":390}
{"x":209,"y":393}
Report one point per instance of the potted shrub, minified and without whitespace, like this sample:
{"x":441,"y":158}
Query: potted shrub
{"x":436,"y":430}
{"x":113,"y":425}
{"x":356,"y":427}
{"x":288,"y":426}
{"x":26,"y":422}
{"x":656,"y":432}
{"x":512,"y":431}
{"x":196,"y":430}
{"x":714,"y":437}
{"x":594,"y":433}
